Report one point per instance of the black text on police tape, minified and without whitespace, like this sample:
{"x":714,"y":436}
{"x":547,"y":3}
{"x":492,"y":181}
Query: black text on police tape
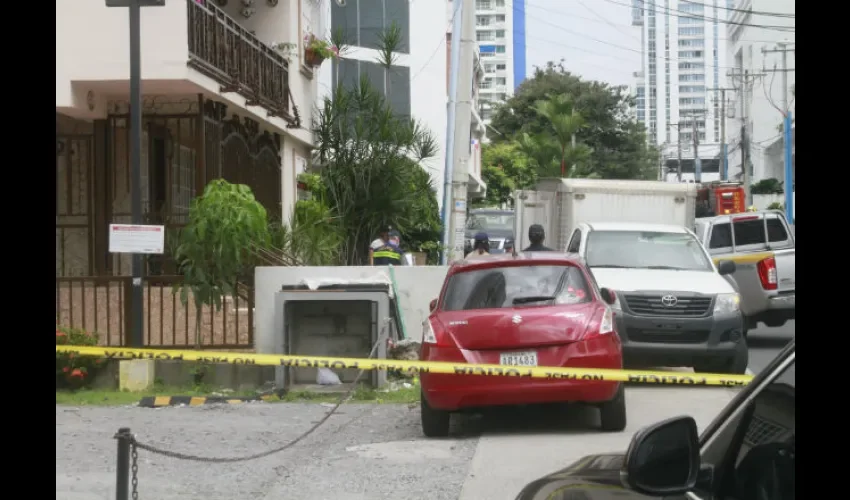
{"x":340,"y":365}
{"x":177,"y":357}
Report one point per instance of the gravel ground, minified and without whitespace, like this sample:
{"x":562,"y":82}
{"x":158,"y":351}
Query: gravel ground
{"x":362,"y":452}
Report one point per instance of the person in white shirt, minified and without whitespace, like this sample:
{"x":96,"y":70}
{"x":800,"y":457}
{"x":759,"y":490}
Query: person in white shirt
{"x":381,"y":240}
{"x":480,"y":247}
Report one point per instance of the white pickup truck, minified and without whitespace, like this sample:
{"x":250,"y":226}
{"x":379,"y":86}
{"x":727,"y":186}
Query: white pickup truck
{"x":763,"y":248}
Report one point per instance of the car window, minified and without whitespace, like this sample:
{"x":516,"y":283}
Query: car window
{"x":499,"y":287}
{"x":490,"y":221}
{"x":721,"y":236}
{"x":645,"y":249}
{"x":575,"y":242}
{"x":750,"y":232}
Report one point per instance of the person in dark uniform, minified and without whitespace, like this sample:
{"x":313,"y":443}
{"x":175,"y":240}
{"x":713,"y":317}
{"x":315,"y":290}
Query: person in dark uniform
{"x":389,"y":252}
{"x":536,"y":235}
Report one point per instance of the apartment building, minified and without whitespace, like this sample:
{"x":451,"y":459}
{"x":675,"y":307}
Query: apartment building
{"x":683,"y":56}
{"x":500,"y":32}
{"x":419,"y":75}
{"x":759,"y":25}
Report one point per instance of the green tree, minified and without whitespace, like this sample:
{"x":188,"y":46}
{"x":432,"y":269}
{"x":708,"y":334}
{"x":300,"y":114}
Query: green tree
{"x":369,"y":159}
{"x":504,"y":168}
{"x":617,"y":143}
{"x":218,"y":246}
{"x":564,"y":124}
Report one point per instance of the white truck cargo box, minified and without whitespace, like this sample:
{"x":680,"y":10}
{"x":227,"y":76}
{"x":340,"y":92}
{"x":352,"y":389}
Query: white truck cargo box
{"x":560,"y":204}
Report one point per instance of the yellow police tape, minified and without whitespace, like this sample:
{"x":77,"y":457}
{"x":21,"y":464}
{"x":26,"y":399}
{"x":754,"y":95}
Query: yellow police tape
{"x":543,"y":372}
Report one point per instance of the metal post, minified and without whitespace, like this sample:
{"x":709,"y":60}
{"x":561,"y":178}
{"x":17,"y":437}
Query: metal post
{"x":745,"y":156}
{"x":454,"y":66}
{"x":136,"y":160}
{"x":697,"y":160}
{"x":679,"y":141}
{"x":788,"y":133}
{"x":724,"y":151}
{"x":122,"y":473}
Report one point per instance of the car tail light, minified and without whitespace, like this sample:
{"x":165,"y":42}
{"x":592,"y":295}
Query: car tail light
{"x":767,"y":273}
{"x":428,"y":335}
{"x":602,"y":324}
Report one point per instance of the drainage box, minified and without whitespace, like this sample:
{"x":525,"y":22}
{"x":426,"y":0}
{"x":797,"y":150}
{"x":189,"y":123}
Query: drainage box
{"x":334,"y":320}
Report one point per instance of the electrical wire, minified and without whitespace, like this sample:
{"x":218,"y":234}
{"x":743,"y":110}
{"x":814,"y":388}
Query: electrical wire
{"x":743,"y":11}
{"x":681,"y":13}
{"x":439,"y":45}
{"x":606,"y":21}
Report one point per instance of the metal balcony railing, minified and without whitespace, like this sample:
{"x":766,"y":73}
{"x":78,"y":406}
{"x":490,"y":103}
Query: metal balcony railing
{"x":225,"y":51}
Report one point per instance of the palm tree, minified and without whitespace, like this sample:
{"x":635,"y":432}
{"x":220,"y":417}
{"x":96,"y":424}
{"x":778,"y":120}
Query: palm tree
{"x":564,"y":123}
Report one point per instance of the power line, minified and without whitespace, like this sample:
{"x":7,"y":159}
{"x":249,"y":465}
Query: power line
{"x":744,"y":11}
{"x":437,"y":48}
{"x":682,"y":13}
{"x":606,"y":21}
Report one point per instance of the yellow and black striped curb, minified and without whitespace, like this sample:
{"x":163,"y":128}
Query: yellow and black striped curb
{"x":161,"y":401}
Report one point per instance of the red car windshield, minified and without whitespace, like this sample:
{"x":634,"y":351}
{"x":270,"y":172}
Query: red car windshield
{"x":515,"y":286}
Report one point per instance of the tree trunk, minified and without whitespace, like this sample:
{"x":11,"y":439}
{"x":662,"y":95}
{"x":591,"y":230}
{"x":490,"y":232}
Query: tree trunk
{"x":198,"y":314}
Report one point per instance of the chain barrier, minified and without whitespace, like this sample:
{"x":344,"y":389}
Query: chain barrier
{"x":135,"y":445}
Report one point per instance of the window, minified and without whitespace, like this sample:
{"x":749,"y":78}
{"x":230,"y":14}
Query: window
{"x":500,"y":49}
{"x":482,"y":5}
{"x":482,"y":20}
{"x":500,"y":33}
{"x":488,"y":68}
{"x":500,"y":67}
{"x":690,"y":20}
{"x":492,"y":221}
{"x":645,"y":250}
{"x":692,"y":43}
{"x":350,"y":71}
{"x":684,"y":54}
{"x":501,"y":81}
{"x":501,"y":287}
{"x":500,"y":3}
{"x":500,"y":18}
{"x":749,"y":232}
{"x":692,"y":31}
{"x":484,"y":36}
{"x":575,"y":242}
{"x":362,"y":21}
{"x":692,"y":77}
{"x":684,"y":89}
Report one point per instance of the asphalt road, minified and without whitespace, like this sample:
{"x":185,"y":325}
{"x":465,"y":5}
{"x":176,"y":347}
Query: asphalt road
{"x":766,"y":342}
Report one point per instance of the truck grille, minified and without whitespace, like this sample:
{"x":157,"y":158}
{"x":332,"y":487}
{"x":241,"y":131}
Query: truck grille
{"x":644,"y":305}
{"x":668,"y":336}
{"x":496,"y":244}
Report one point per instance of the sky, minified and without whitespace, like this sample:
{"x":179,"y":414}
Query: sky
{"x":594,"y":37}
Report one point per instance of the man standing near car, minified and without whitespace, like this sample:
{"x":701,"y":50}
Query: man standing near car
{"x":536,"y":235}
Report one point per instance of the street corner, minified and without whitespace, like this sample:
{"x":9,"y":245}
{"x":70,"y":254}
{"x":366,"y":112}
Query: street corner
{"x":163,"y":401}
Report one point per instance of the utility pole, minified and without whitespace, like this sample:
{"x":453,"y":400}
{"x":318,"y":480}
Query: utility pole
{"x":697,"y":161}
{"x":679,"y":152}
{"x":787,"y":127}
{"x":746,"y":80}
{"x":460,"y":115}
{"x":724,"y":148}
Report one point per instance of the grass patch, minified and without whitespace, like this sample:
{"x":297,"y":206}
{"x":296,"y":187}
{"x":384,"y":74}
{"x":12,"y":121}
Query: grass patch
{"x":115,"y":397}
{"x":362,"y":394}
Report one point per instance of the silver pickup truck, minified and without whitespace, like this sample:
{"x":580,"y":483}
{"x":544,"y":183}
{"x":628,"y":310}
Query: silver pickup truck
{"x":762,"y":246}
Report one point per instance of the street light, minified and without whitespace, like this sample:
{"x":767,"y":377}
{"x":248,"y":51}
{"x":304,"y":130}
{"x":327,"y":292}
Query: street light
{"x":134,"y":7}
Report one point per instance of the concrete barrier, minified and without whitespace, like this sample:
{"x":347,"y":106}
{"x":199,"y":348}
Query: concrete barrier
{"x":417,"y":286}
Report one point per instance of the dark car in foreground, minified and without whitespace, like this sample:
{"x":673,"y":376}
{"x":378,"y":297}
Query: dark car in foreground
{"x":747,"y":453}
{"x":497,"y":223}
{"x":532,"y":309}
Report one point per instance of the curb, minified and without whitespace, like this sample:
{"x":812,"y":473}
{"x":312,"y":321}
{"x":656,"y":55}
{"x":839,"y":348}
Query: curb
{"x":162,"y":401}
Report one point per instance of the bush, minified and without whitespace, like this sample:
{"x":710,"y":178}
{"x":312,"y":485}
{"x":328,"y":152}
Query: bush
{"x":74,"y":372}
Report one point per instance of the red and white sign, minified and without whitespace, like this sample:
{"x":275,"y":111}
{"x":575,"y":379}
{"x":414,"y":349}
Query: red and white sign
{"x":133,"y":238}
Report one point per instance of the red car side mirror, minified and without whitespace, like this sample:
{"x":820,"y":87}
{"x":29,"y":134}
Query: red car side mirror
{"x":433,"y":305}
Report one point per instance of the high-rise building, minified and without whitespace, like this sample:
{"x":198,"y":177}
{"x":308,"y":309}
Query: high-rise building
{"x":683,"y":58}
{"x":500,"y":31}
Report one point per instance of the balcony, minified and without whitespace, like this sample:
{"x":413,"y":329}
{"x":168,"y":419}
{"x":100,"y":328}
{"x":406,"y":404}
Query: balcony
{"x":228,"y":53}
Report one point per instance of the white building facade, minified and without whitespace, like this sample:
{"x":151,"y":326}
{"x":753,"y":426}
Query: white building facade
{"x":683,"y":60}
{"x":760,"y":25}
{"x":500,"y":32}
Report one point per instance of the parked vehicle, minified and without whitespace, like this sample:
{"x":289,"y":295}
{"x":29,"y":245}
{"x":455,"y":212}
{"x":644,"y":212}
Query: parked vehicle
{"x":720,"y":198}
{"x":763,"y":248}
{"x":525,"y":310}
{"x":560,"y":204}
{"x":747,"y":453}
{"x":673,"y":308}
{"x":498,"y":224}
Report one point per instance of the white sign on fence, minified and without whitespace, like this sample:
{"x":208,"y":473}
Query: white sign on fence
{"x":132,"y":238}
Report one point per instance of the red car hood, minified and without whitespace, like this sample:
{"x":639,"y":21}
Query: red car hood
{"x":509,"y":328}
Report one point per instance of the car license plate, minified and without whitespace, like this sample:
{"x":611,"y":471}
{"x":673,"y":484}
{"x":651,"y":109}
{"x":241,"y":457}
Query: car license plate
{"x":518,"y":358}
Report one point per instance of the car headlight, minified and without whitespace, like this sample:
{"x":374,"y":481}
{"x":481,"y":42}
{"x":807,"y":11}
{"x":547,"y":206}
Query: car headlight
{"x":727,"y":303}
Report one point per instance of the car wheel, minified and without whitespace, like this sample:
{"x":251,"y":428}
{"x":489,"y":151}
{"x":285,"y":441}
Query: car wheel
{"x":435,"y":423}
{"x":613,"y":413}
{"x":736,"y":365}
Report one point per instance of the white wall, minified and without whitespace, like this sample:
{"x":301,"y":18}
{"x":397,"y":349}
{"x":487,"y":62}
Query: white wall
{"x":763,"y":117}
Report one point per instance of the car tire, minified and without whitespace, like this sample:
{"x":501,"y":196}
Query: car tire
{"x":435,"y":423}
{"x":736,"y":365}
{"x":613,"y":413}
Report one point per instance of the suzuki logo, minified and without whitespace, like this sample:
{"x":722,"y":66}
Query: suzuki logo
{"x":669,"y":300}
{"x":517,"y":319}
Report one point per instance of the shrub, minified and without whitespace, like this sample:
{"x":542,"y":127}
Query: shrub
{"x":72,"y":371}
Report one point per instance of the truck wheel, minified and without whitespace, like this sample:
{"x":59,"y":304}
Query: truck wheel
{"x":613,"y":413}
{"x":737,"y":365}
{"x":435,"y":423}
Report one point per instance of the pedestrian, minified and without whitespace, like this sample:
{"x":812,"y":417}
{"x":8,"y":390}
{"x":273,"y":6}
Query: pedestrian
{"x":389,"y":252}
{"x":480,"y":246}
{"x":381,"y":240}
{"x":536,"y":235}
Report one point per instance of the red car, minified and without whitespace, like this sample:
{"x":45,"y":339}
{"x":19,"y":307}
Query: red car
{"x":535,"y":309}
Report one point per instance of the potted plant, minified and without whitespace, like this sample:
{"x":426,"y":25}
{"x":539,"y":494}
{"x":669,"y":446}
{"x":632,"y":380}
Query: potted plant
{"x":287,"y":50}
{"x":316,"y":50}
